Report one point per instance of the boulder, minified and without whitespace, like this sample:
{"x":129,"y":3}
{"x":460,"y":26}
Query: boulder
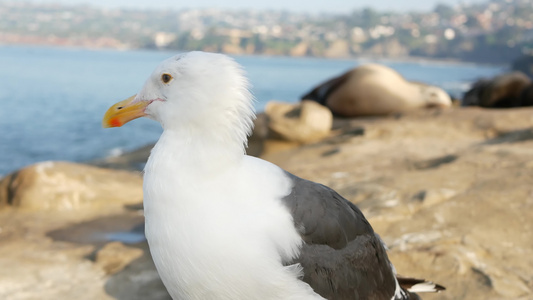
{"x":305,"y":122}
{"x":69,"y":186}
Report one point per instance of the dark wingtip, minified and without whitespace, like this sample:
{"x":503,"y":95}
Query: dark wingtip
{"x":439,"y":287}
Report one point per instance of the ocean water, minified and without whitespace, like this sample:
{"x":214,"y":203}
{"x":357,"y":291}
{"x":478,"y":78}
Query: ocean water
{"x":53,"y":99}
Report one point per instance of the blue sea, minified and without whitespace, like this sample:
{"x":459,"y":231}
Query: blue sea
{"x":53,"y":99}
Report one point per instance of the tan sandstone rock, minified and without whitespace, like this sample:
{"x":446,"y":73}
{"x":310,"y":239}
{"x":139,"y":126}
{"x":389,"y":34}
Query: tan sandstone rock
{"x":69,"y":186}
{"x":114,"y":256}
{"x":449,"y":192}
{"x":304,"y":122}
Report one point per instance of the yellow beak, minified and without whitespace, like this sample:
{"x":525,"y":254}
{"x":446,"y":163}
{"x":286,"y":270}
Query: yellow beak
{"x":123,"y":112}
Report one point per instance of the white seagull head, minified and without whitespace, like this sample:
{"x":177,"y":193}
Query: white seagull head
{"x":194,"y":91}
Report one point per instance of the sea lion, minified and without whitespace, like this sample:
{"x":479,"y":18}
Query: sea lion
{"x":502,"y":91}
{"x":527,"y":95}
{"x":374,"y":89}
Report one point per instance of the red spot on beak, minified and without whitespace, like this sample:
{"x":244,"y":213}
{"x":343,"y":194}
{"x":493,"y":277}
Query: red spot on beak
{"x":115,"y":122}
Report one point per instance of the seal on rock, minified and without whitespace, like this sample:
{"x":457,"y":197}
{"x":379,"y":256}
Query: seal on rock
{"x":374,"y":89}
{"x":527,"y":95}
{"x":305,"y":122}
{"x":503,"y":91}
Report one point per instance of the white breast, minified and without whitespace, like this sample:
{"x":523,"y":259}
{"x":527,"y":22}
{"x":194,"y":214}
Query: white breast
{"x":222,"y":235}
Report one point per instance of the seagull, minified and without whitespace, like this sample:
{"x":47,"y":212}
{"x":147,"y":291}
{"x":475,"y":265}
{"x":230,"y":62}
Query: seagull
{"x":224,"y":225}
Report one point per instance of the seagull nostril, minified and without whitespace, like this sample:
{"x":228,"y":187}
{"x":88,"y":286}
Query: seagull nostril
{"x":120,"y":107}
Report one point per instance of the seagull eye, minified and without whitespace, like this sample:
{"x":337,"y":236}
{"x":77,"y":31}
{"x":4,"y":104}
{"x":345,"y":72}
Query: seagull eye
{"x":166,"y":78}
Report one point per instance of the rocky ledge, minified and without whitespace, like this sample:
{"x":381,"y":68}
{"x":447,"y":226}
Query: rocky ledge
{"x":448,"y":190}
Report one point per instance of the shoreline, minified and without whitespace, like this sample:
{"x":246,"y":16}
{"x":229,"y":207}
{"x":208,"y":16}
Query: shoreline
{"x":367,"y":58}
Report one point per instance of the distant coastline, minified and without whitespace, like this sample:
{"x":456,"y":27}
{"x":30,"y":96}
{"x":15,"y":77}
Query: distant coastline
{"x":362,"y":58}
{"x":491,"y":32}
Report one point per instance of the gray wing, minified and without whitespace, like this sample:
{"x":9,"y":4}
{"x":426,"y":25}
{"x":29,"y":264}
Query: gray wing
{"x":342,"y":258}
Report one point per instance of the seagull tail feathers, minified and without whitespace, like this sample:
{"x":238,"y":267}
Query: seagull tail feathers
{"x":414,"y":285}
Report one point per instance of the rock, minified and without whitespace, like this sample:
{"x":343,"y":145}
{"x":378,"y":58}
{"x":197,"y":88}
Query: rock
{"x":449,"y":192}
{"x":305,"y":122}
{"x":260,"y":134}
{"x":69,"y":186}
{"x":452,"y":202}
{"x":33,"y":266}
{"x":433,"y":197}
{"x":138,"y":281}
{"x":114,"y":256}
{"x":372,"y":90}
{"x":132,"y":160}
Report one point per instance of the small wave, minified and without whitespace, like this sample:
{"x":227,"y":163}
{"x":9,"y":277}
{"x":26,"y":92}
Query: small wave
{"x":118,"y":151}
